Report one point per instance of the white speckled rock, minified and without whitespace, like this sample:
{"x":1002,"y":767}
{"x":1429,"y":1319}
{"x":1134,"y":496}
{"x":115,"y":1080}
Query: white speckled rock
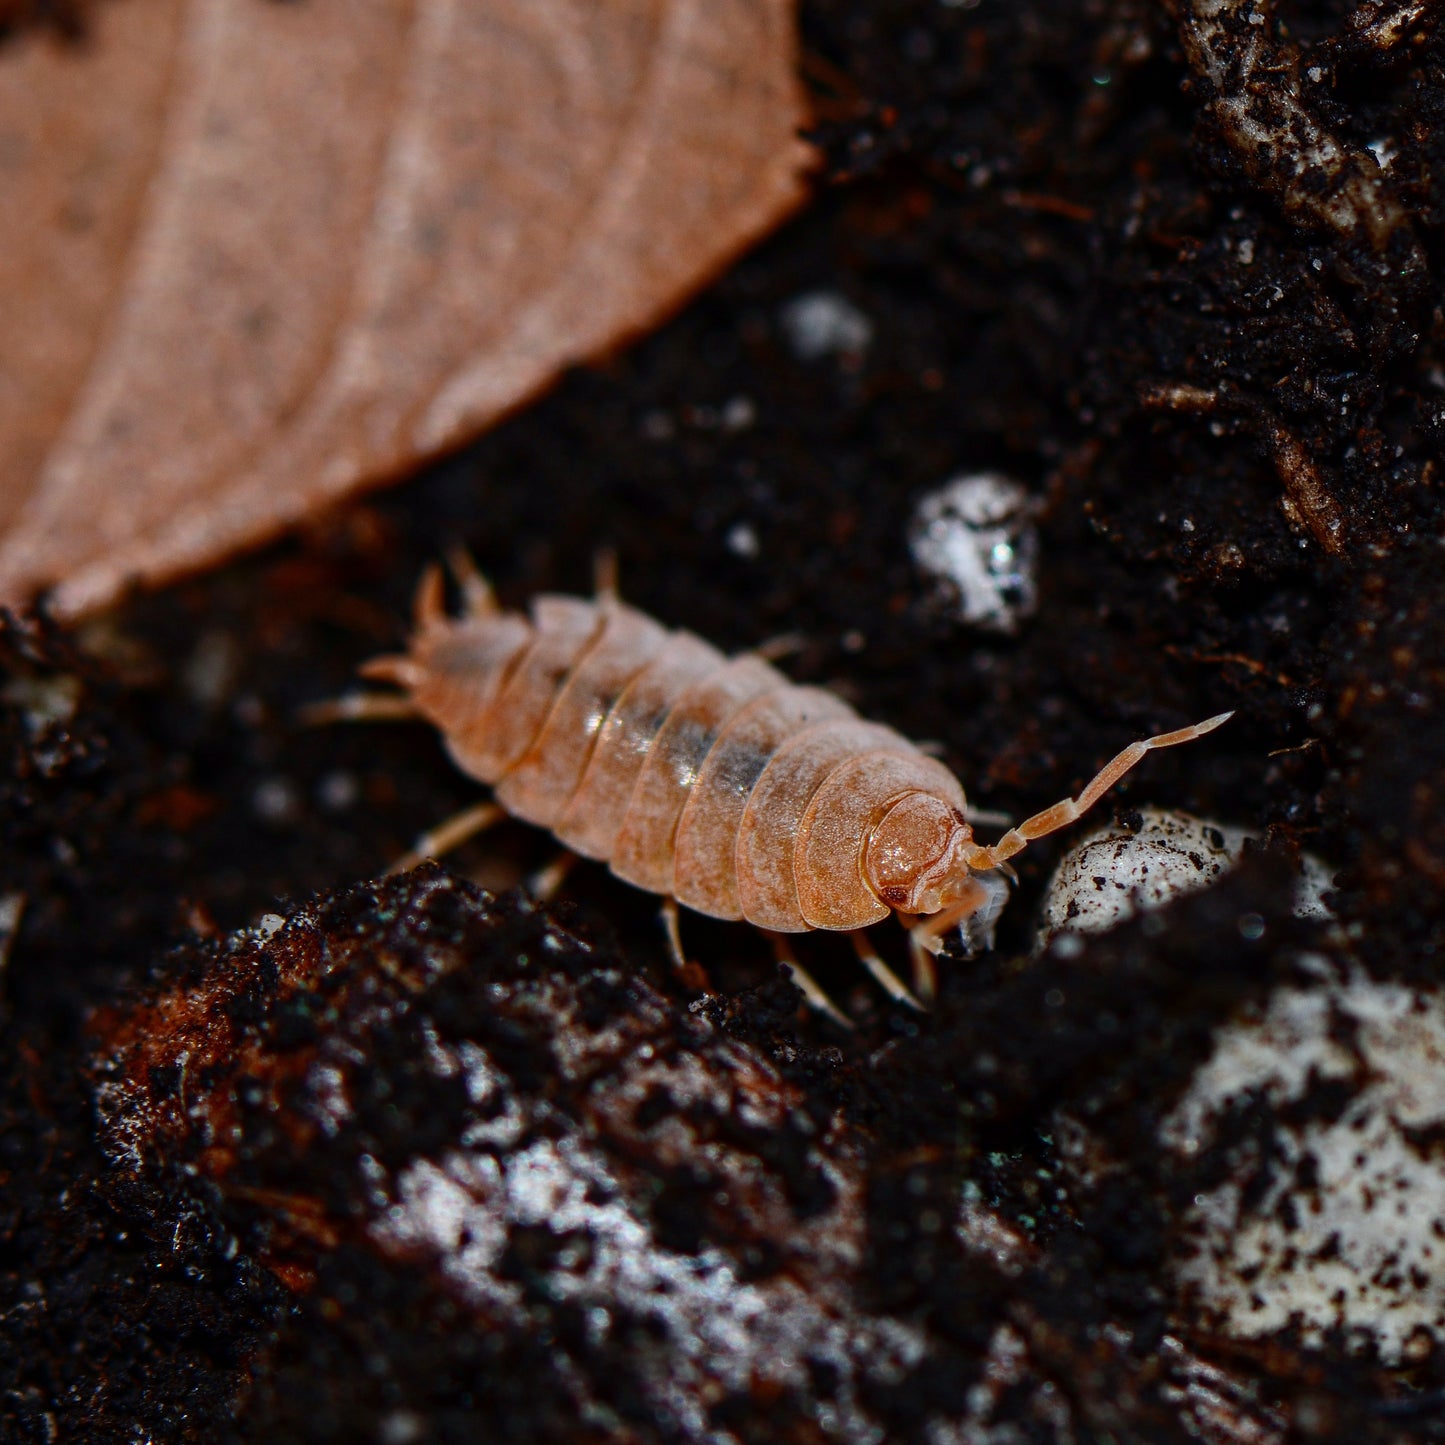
{"x":1115,"y":873}
{"x":819,"y":324}
{"x":975,"y":538}
{"x":1337,"y":1220}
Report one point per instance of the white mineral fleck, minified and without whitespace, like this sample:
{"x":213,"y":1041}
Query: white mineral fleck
{"x":12,"y":907}
{"x":338,"y":791}
{"x":825,"y":323}
{"x":738,"y":414}
{"x":1315,"y":880}
{"x":46,"y":705}
{"x":274,"y":800}
{"x":328,"y":1090}
{"x":401,"y":1427}
{"x":46,"y":702}
{"x":1336,"y":1221}
{"x":211,"y":671}
{"x":742,"y":540}
{"x":975,"y":538}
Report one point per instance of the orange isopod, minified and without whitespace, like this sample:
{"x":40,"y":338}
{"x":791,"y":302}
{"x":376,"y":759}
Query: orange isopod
{"x":713,"y":781}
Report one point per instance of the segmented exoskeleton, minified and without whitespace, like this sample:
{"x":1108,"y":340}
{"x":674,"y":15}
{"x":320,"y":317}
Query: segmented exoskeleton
{"x":711,"y":780}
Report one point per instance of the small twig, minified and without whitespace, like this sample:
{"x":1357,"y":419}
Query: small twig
{"x":1052,"y":205}
{"x":1306,"y":501}
{"x":1178,"y":396}
{"x":1250,"y":664}
{"x":1303,"y":747}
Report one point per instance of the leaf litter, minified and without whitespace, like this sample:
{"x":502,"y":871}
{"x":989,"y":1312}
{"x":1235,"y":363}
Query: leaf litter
{"x":255,"y":258}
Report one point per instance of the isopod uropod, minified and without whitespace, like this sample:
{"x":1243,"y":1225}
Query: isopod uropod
{"x":713,"y":781}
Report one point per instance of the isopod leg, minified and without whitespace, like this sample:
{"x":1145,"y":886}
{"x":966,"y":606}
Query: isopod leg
{"x":975,"y":910}
{"x":605,"y":576}
{"x":777,"y":648}
{"x":668,"y":914}
{"x":884,"y":976}
{"x":357,"y":707}
{"x":925,"y":943}
{"x":817,"y":999}
{"x":925,"y":971}
{"x":451,"y":834}
{"x":545,"y":882}
{"x":395,"y":667}
{"x":985,"y":817}
{"x":477,"y":595}
{"x":693,"y":975}
{"x":429,"y":606}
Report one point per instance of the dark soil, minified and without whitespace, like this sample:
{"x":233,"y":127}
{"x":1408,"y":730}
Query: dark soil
{"x":1229,"y":410}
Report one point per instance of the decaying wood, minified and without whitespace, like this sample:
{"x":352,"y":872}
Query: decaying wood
{"x":1255,"y":96}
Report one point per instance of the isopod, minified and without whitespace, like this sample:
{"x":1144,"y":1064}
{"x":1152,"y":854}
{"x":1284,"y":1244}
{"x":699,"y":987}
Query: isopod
{"x":710,"y":780}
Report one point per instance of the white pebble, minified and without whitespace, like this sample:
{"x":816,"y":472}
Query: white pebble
{"x":825,"y":323}
{"x":1337,"y":1220}
{"x":975,"y":538}
{"x":1114,"y":873}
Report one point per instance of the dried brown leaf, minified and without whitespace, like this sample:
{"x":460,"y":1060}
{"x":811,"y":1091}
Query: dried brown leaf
{"x":255,"y":257}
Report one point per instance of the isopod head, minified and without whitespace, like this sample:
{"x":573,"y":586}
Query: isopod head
{"x":914,"y":857}
{"x":916,"y":860}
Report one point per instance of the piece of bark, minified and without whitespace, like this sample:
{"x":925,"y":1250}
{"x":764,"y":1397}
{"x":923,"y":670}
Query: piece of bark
{"x":418,"y":1079}
{"x":515,"y":1189}
{"x":1255,"y":98}
{"x":255,"y":258}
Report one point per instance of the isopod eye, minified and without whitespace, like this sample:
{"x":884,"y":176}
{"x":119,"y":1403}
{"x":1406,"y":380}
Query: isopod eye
{"x":909,"y":851}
